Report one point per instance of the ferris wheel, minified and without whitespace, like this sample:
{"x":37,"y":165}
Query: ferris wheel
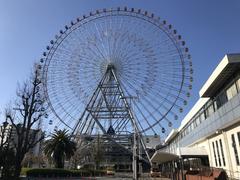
{"x":114,"y":65}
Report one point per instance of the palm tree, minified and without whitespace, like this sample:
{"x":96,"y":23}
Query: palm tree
{"x":59,"y":147}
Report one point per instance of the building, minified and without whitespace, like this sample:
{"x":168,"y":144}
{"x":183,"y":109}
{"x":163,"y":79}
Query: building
{"x":114,"y":151}
{"x":4,"y":134}
{"x":10,"y":134}
{"x":151,"y":141}
{"x":211,"y":129}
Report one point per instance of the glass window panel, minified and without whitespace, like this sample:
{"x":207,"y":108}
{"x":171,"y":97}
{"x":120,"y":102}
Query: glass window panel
{"x":195,"y":123}
{"x":218,"y":154}
{"x":231,"y":91}
{"x":222,"y":152}
{"x":238,"y":135}
{"x":216,"y":104}
{"x":210,"y":110}
{"x":235,"y":149}
{"x":187,"y":130}
{"x":202,"y":116}
{"x":191,"y":127}
{"x":198,"y":121}
{"x":238,"y":84}
{"x":221,"y":99}
{"x":214,"y":153}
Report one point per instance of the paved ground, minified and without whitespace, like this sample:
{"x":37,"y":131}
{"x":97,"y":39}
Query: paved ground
{"x":96,"y":178}
{"x":117,"y":176}
{"x":128,"y":176}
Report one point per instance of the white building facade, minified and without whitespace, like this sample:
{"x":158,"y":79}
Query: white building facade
{"x":212,"y":126}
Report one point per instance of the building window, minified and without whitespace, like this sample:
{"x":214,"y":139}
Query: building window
{"x":202,"y":116}
{"x":238,"y":135}
{"x":218,"y":154}
{"x":221,"y":99}
{"x":198,"y":121}
{"x":215,"y":104}
{"x":231,"y":91}
{"x":238,"y":84}
{"x":187,"y":130}
{"x":221,"y":148}
{"x":214,"y":153}
{"x":194,"y":123}
{"x":235,"y":150}
{"x":209,"y":110}
{"x":191,"y":126}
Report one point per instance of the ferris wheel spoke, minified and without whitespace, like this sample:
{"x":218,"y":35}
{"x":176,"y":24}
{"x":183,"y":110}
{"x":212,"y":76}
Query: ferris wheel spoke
{"x":124,"y":36}
{"x":159,"y":96}
{"x":154,"y":94}
{"x":144,"y":118}
{"x":142,"y":114}
{"x":156,"y":109}
{"x":101,"y":39}
{"x":67,"y":108}
{"x":156,"y":121}
{"x":139,"y":100}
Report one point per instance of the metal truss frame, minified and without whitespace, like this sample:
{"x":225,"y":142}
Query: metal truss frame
{"x":108,"y":104}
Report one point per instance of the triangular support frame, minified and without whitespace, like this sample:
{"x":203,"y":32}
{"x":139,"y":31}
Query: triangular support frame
{"x":108,"y":104}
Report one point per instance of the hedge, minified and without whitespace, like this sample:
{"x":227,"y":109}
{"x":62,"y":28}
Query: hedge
{"x":63,"y":173}
{"x":24,"y":171}
{"x":97,"y":172}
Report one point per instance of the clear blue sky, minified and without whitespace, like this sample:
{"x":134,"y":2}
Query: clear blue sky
{"x":210,"y":29}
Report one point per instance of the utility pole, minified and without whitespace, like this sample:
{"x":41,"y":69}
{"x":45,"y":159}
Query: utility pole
{"x":135,"y":140}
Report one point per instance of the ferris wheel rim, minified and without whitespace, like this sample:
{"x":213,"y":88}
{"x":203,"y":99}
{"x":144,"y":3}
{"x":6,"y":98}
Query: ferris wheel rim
{"x":70,"y":30}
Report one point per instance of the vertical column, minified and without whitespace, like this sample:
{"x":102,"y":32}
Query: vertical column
{"x":140,"y":157}
{"x":228,"y":157}
{"x":135,"y":156}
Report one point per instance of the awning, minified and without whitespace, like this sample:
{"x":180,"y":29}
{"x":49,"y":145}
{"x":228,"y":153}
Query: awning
{"x":161,"y":156}
{"x":192,"y":152}
{"x":225,"y":69}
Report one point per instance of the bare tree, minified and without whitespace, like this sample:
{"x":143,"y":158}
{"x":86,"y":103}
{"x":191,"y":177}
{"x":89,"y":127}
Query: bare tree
{"x":25,"y":116}
{"x":91,"y":151}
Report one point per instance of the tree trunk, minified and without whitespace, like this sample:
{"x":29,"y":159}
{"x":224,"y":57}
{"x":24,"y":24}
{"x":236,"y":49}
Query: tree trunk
{"x":60,"y":162}
{"x":17,"y":170}
{"x":18,"y":167}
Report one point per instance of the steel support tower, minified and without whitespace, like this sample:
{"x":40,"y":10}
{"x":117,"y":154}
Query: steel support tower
{"x":110,"y":113}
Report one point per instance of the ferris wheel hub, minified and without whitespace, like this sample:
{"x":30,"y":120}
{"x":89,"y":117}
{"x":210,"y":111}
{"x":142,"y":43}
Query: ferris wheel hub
{"x":110,"y":66}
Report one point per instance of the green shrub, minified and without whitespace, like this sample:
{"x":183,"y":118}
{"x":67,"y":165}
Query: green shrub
{"x":48,"y":173}
{"x":98,"y":172}
{"x":24,"y":171}
{"x":63,"y":173}
{"x":79,"y":173}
